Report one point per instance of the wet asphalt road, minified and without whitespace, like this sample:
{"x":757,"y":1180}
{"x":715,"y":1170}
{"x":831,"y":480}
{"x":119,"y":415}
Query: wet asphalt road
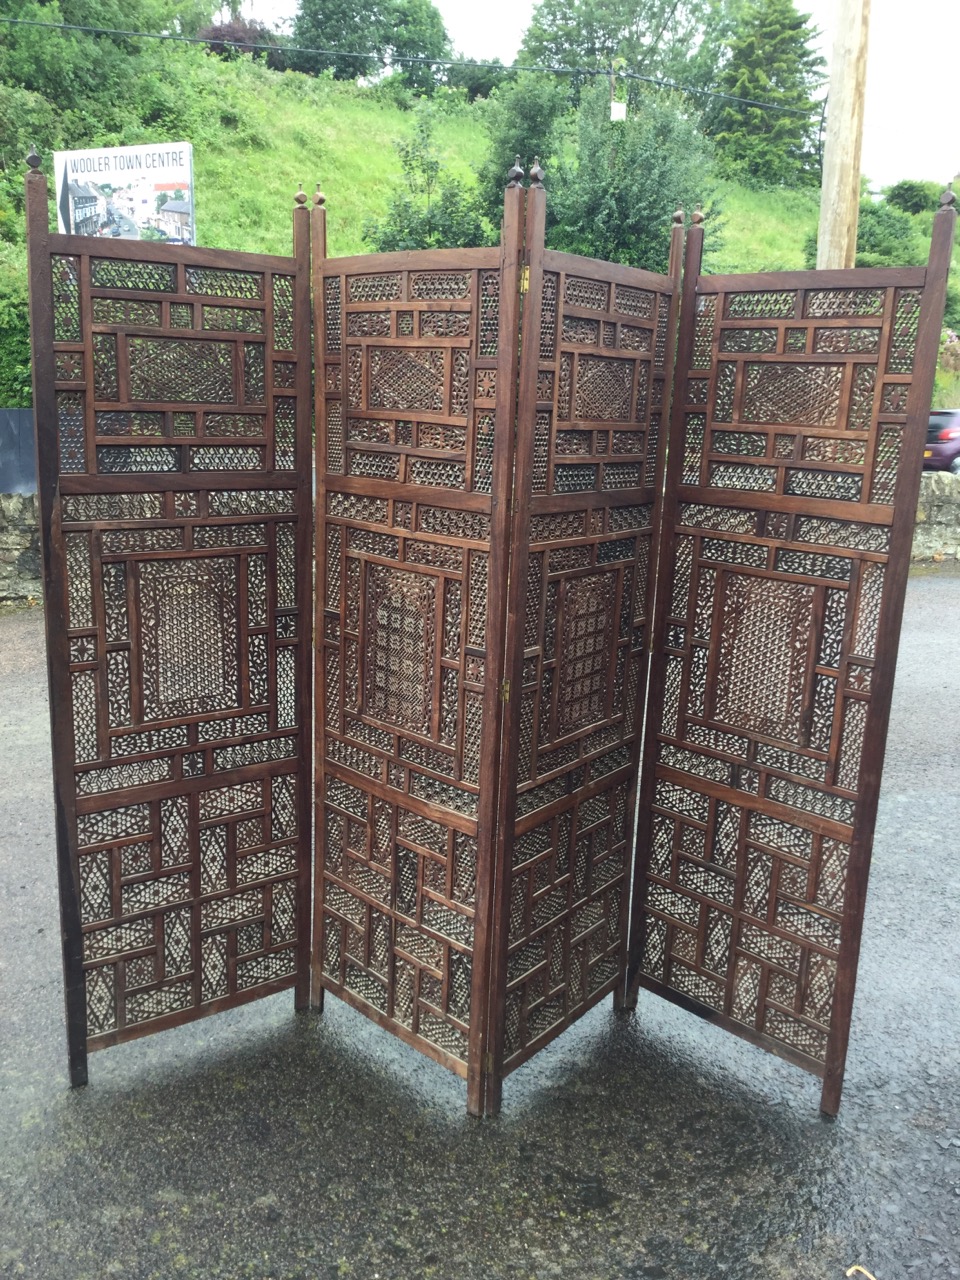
{"x":262,"y":1144}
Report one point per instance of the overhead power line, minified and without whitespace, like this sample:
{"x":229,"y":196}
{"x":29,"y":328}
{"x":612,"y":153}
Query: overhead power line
{"x":245,"y":46}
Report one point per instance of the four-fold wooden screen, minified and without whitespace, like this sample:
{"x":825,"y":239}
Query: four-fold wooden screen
{"x":518,"y":501}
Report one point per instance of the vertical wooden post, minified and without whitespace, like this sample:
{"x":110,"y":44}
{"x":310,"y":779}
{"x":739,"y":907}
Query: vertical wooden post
{"x":905,"y":505}
{"x":485,"y":1059}
{"x":54,"y":611}
{"x":664,"y":523}
{"x":318,"y":253}
{"x":625,"y":998}
{"x":303,"y":463}
{"x":533,"y":209}
{"x":840,"y":182}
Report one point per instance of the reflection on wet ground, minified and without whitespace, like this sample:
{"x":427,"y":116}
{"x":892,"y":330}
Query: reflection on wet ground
{"x":262,"y":1144}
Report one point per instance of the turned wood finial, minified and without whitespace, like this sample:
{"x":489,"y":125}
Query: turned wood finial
{"x":948,"y":197}
{"x":678,"y":217}
{"x":319,"y":199}
{"x":33,"y":160}
{"x":698,"y":216}
{"x":301,"y":197}
{"x":537,"y":175}
{"x":515,"y":174}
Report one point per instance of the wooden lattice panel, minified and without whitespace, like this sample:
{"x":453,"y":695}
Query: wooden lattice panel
{"x":603,"y":335}
{"x":406,"y":452}
{"x":179,"y":390}
{"x":775,"y":581}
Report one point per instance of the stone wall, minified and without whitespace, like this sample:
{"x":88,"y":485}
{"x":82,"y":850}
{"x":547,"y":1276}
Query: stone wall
{"x":20,"y":572}
{"x":936,"y":538}
{"x":937,"y":533}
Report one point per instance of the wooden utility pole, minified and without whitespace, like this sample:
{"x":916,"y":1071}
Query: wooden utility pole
{"x":840,"y":190}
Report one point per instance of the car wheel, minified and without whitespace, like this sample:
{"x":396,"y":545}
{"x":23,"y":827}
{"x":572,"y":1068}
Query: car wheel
{"x":955,"y":466}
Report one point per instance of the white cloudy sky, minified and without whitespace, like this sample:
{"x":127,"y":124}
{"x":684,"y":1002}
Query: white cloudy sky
{"x":912,"y":118}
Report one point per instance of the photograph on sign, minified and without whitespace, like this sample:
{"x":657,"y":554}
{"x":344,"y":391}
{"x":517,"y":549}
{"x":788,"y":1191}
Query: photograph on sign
{"x":134,"y":193}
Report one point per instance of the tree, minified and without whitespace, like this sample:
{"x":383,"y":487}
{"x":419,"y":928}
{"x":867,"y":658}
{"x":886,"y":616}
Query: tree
{"x":478,"y":79}
{"x":351,"y":32}
{"x":433,"y":210}
{"x":522,"y":120}
{"x":416,"y":31}
{"x":649,"y":37}
{"x":616,"y":199}
{"x":94,"y":80}
{"x":771,"y":63}
{"x":914,"y":197}
{"x":360,"y":37}
{"x":230,"y":39}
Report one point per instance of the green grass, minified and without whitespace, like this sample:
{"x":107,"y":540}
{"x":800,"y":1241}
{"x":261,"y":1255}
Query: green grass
{"x":763,"y":230}
{"x":290,"y":129}
{"x":258,"y":134}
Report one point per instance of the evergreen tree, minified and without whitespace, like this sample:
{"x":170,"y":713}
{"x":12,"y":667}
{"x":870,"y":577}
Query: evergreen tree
{"x":770,"y":62}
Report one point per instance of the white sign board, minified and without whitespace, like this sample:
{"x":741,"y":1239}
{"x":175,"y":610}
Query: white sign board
{"x":134,"y":193}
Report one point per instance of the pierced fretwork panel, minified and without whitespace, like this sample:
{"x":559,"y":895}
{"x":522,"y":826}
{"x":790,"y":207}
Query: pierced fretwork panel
{"x":183,"y":369}
{"x":603,"y":344}
{"x":775,"y":573}
{"x":406,"y":451}
{"x":185,"y":600}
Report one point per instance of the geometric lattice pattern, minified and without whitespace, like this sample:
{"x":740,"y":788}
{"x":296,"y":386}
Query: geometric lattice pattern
{"x":489,"y":499}
{"x":600,"y":387}
{"x":767,"y":647}
{"x":405,"y":458}
{"x":185,"y":609}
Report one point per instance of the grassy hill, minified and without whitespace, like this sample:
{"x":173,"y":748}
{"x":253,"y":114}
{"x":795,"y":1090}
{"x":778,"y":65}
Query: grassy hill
{"x":257,"y":134}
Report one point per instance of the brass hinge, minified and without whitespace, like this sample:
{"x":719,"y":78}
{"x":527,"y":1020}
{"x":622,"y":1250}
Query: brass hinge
{"x":488,"y":1062}
{"x":524,"y":279}
{"x":505,"y":691}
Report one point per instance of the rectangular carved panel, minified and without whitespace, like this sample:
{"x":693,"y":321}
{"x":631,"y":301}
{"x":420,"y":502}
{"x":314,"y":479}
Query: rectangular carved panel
{"x":599,"y":403}
{"x":184,"y":607}
{"x":405,"y":453}
{"x":774,"y":578}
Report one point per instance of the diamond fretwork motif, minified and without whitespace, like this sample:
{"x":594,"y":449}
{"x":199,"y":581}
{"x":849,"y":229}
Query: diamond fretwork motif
{"x":406,"y":379}
{"x":603,"y":389}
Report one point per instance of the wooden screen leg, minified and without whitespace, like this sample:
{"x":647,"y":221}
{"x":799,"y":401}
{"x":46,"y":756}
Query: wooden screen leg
{"x":77,"y":1058}
{"x":494,"y":1095}
{"x":830,"y":1095}
{"x":476,"y":1092}
{"x":624,"y":999}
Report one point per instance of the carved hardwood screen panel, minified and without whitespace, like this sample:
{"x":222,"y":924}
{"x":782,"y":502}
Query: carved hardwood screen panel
{"x":797,"y":425}
{"x":409,"y":594}
{"x":173,"y":417}
{"x":597,"y":351}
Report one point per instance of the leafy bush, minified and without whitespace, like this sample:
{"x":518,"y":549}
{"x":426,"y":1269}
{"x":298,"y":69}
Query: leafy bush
{"x":914,"y":197}
{"x":886,"y":237}
{"x":435,"y":210}
{"x":522,"y":118}
{"x":616,"y":198}
{"x":15,"y":388}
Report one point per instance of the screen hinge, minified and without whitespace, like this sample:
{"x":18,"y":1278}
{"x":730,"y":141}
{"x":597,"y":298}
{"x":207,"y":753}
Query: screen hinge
{"x":524,"y":278}
{"x":505,"y":691}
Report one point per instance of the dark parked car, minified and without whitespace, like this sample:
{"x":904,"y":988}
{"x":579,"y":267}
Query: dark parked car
{"x":942,"y":450}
